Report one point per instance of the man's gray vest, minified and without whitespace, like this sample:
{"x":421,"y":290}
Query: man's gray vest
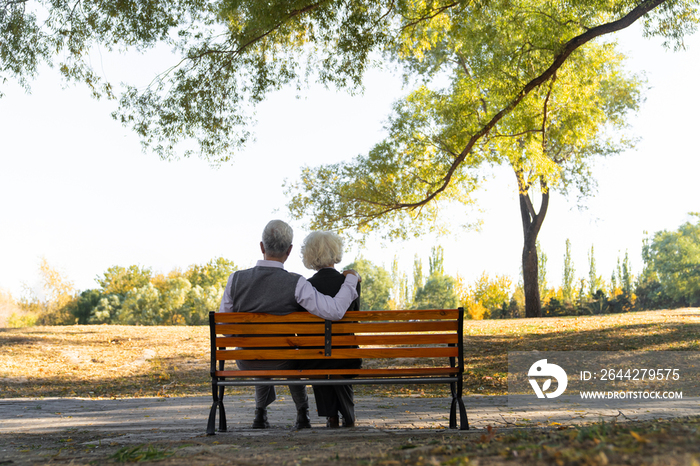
{"x":264,"y":289}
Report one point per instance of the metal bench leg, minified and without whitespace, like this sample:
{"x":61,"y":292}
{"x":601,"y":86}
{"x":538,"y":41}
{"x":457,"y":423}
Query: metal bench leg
{"x":463,"y":420}
{"x":456,"y":389}
{"x":453,"y":406}
{"x":212,"y":412}
{"x":222,"y":411}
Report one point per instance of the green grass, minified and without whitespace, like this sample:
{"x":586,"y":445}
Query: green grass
{"x":141,"y":453}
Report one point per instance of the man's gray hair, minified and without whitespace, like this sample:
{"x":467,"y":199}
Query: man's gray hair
{"x":321,"y":249}
{"x":277,"y":237}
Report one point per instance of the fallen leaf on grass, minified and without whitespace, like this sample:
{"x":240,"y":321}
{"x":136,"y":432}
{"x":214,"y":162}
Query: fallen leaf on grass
{"x":603,"y":459}
{"x":638,"y":437}
{"x":489,"y":435}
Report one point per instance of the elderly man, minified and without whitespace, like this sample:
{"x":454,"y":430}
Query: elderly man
{"x":269,"y":288}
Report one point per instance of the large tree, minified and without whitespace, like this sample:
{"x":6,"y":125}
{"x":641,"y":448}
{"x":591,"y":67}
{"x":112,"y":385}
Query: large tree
{"x":512,"y":70}
{"x":524,"y":84}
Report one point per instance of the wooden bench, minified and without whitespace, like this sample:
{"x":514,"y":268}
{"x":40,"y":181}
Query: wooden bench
{"x":427,"y":343}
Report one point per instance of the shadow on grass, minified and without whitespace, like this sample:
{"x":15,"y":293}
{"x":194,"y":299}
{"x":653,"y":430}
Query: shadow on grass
{"x":486,"y":356}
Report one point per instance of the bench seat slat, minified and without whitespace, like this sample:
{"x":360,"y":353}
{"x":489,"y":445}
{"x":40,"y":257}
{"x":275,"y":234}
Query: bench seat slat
{"x":338,"y":353}
{"x":338,"y":340}
{"x":408,"y":372}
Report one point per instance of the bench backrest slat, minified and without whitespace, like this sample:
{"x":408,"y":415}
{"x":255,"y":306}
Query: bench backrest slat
{"x":338,"y":340}
{"x":265,"y":329}
{"x":339,"y":353}
{"x":253,"y":317}
{"x":437,"y":314}
{"x":338,"y":327}
{"x":234,"y":317}
{"x":395,"y":327}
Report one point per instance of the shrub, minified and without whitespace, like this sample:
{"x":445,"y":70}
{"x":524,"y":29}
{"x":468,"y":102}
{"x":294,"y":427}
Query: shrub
{"x":487,"y":297}
{"x":437,"y":293}
{"x":8,"y":307}
{"x":476,"y":311}
{"x":556,"y":307}
{"x":19,"y":320}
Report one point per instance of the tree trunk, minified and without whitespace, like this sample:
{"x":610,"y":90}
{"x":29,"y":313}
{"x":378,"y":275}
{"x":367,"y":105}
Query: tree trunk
{"x":532,"y":222}
{"x":531,"y":279}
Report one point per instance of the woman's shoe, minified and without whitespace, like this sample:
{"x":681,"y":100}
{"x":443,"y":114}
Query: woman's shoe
{"x":348,"y":423}
{"x":333,"y":422}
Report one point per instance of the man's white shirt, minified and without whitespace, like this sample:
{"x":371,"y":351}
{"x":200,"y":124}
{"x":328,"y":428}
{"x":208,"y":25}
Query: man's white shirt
{"x":318,"y":304}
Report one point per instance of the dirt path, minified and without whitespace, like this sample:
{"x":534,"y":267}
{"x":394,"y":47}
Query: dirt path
{"x":171,"y":430}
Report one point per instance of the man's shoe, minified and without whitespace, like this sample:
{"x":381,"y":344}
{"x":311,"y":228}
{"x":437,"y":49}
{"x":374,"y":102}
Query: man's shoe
{"x":303,"y":421}
{"x":333,"y":422}
{"x":260,"y":421}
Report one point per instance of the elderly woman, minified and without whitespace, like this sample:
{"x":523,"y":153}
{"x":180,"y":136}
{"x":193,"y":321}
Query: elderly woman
{"x":320,"y":251}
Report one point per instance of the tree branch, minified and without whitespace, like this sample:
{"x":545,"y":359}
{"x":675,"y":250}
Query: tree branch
{"x":238,"y":51}
{"x":568,"y":48}
{"x":261,"y":36}
{"x":388,"y":11}
{"x":463,"y":63}
{"x":522,"y":133}
{"x":539,"y":218}
{"x":527,"y":212}
{"x":430,"y":16}
{"x":544,"y":113}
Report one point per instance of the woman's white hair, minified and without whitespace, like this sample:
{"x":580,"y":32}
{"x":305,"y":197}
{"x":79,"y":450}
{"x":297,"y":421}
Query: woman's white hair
{"x":321,"y":249}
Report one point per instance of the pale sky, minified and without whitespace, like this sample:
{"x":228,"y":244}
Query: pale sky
{"x":77,"y":188}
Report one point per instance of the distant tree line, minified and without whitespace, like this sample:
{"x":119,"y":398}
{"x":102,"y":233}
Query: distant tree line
{"x":131,"y":295}
{"x":134,"y":295}
{"x":670,"y":278}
